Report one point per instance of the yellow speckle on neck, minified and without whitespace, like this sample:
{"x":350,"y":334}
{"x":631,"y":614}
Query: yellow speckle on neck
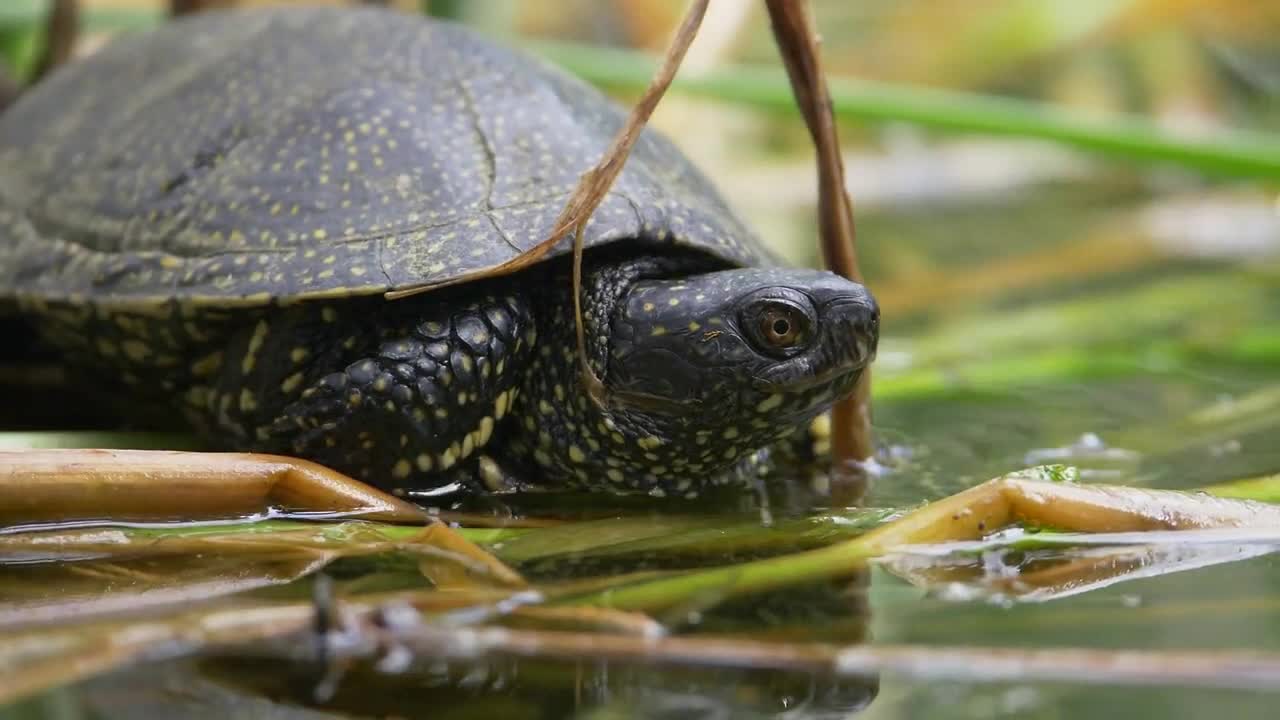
{"x":649,"y":442}
{"x":448,"y":458}
{"x":770,"y":403}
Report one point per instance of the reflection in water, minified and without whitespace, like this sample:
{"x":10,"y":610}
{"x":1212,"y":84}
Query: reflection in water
{"x":964,"y":571}
{"x":508,"y":690}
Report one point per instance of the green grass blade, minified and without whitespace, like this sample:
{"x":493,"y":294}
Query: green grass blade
{"x":1227,"y":152}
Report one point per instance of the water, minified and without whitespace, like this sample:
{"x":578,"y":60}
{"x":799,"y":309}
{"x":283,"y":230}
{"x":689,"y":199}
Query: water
{"x":1116,"y":320}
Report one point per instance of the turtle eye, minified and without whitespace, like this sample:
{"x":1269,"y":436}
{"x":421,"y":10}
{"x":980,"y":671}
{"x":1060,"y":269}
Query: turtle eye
{"x":778,"y":326}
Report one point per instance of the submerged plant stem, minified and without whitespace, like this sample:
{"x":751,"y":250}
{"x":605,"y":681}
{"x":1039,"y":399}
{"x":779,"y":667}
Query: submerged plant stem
{"x":1224,"y":669}
{"x":1036,"y":496}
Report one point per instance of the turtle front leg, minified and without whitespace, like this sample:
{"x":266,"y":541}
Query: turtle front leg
{"x":400,"y":394}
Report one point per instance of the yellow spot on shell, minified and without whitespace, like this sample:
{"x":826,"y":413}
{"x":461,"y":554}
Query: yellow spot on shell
{"x":485,"y":432}
{"x":424,"y":462}
{"x":299,"y":354}
{"x":576,"y":454}
{"x":248,"y":403}
{"x":500,"y":405}
{"x":401,"y":469}
{"x":614,"y":474}
{"x":658,"y":330}
{"x":255,"y":342}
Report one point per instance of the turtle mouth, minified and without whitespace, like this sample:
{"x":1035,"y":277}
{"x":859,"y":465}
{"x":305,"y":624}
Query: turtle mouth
{"x":835,"y":376}
{"x":831,"y":378}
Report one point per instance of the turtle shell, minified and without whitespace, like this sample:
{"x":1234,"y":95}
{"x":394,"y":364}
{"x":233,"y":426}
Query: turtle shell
{"x":247,"y":157}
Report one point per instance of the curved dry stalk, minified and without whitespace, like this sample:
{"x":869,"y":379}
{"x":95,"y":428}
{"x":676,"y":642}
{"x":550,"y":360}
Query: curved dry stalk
{"x":595,"y":183}
{"x":592,"y":187}
{"x":1026,"y":497}
{"x":63,"y":485}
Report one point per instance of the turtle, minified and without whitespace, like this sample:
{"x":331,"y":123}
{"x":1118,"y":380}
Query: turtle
{"x":205,"y":220}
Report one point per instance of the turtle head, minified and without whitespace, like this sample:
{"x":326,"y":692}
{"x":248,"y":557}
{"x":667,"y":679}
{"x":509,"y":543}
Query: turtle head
{"x":745,"y":353}
{"x":701,"y":369}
